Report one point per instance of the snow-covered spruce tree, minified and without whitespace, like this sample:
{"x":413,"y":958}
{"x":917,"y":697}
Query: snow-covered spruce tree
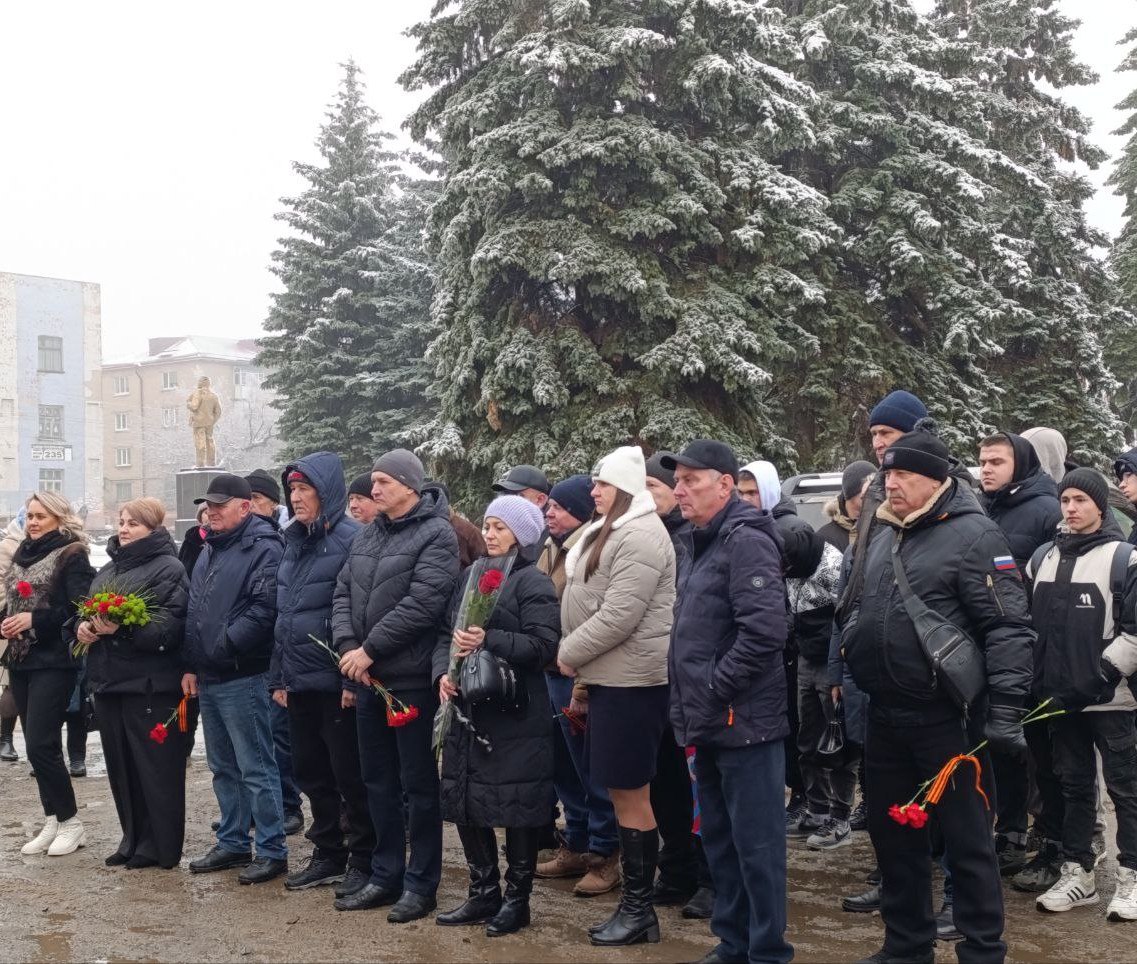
{"x":619,"y":260}
{"x":1051,"y":369}
{"x":1121,"y":344}
{"x":348,"y":331}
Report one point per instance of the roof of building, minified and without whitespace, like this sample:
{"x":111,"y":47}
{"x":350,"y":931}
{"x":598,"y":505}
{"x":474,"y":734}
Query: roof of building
{"x":189,"y":347}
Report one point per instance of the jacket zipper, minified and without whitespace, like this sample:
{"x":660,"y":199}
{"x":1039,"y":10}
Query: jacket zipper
{"x":995,"y":594}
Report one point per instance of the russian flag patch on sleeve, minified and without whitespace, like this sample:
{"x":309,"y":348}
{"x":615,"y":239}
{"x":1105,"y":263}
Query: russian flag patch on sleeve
{"x":1004,"y":562}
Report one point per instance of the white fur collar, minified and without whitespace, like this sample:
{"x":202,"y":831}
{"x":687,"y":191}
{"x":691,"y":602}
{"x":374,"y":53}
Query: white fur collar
{"x":642,"y":504}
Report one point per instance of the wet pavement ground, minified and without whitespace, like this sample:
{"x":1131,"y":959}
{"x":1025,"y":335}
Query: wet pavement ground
{"x":75,"y":908}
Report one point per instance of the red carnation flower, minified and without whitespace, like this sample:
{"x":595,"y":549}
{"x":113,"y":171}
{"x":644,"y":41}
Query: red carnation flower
{"x":89,"y":603}
{"x":24,"y":589}
{"x":411,"y":713}
{"x":104,"y":607}
{"x":119,"y":600}
{"x":490,"y":582}
{"x":900,"y":815}
{"x":917,"y":816}
{"x":159,"y":733}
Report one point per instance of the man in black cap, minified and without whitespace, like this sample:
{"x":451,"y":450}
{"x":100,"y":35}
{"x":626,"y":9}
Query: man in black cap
{"x":526,"y":481}
{"x":728,"y":697}
{"x":389,"y":603}
{"x":957,"y":563}
{"x":228,"y":646}
{"x":360,"y":506}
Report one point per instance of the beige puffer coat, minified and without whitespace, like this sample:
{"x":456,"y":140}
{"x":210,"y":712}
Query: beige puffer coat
{"x":617,"y":625}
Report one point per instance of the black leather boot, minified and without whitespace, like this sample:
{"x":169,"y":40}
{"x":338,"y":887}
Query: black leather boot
{"x":484,"y":900}
{"x":521,"y":845}
{"x":635,"y":919}
{"x":7,"y":739}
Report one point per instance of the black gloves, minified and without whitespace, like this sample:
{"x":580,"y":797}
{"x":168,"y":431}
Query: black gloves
{"x":1004,"y":729}
{"x":1108,"y":676}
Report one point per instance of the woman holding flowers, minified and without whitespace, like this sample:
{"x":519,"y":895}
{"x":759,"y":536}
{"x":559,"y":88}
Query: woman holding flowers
{"x":135,"y":674}
{"x":49,"y":570}
{"x":616,"y":613}
{"x":509,"y":782}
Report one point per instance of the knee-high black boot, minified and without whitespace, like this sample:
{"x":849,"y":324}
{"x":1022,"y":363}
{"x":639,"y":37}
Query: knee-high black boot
{"x":521,"y":845}
{"x":484,"y":900}
{"x":635,"y":919}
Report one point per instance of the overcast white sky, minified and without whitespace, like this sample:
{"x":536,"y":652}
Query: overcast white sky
{"x":146,"y":146}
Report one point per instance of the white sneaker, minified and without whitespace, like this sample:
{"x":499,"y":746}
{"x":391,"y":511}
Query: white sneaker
{"x":1075,"y":888}
{"x":39,"y":843}
{"x":1124,"y":903}
{"x":70,"y":838}
{"x":833,"y":834}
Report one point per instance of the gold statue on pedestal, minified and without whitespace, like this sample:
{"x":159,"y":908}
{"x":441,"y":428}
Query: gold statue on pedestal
{"x":205,"y":409}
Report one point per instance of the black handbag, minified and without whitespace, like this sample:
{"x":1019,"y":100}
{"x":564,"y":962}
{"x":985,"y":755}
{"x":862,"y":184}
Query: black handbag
{"x":487,"y":679}
{"x":831,"y":752}
{"x":957,"y":663}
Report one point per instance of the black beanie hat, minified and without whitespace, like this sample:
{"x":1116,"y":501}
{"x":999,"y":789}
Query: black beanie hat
{"x":1090,"y":482}
{"x":854,"y":477}
{"x":655,"y":470}
{"x":361,"y":485}
{"x":260,"y":481}
{"x":919,"y":452}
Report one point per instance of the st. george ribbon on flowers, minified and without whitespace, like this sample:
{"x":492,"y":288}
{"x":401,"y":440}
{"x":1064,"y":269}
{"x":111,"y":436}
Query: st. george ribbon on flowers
{"x":398,"y":712}
{"x":915,"y":815}
{"x":483,"y":587}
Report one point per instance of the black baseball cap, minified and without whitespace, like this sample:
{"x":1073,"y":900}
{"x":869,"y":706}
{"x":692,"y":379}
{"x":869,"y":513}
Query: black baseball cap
{"x":704,"y":453}
{"x":225,"y":487}
{"x":523,"y":477}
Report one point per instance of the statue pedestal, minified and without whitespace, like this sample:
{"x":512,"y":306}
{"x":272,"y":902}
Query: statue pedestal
{"x":190,"y":484}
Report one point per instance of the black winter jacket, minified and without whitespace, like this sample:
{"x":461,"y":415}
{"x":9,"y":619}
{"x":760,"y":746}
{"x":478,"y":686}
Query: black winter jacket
{"x":66,"y":584}
{"x":392,"y":592}
{"x":950,"y":554}
{"x":232,"y":602}
{"x":729,"y":632}
{"x":511,"y":785}
{"x":1027,"y":508}
{"x":141,"y":659}
{"x":192,"y":544}
{"x":313,"y":557}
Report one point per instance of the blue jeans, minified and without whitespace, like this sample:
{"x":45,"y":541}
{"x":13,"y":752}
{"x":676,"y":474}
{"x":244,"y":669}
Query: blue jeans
{"x":282,"y":750}
{"x":239,"y":751}
{"x":742,"y":800}
{"x":590,"y":821}
{"x":395,"y":760}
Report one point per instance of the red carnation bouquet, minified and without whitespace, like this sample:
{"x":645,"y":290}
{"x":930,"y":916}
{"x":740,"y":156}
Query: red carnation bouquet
{"x":398,"y":712}
{"x":483,"y":589}
{"x":122,"y":609}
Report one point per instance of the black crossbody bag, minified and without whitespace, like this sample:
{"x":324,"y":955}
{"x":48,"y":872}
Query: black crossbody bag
{"x":958,"y":664}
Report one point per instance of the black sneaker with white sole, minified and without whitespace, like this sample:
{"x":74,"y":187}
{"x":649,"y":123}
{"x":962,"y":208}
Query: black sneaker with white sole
{"x":316,"y":871}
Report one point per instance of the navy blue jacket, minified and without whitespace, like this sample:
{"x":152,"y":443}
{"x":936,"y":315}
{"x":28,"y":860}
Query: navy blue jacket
{"x":1026,"y":508}
{"x":729,"y":632}
{"x":232,"y":604}
{"x":306,"y":579}
{"x":391,"y":594}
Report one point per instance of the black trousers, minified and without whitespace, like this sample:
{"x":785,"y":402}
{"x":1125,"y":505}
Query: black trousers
{"x":42,"y":697}
{"x":897,"y":760}
{"x":1012,"y":788}
{"x":673,"y":803}
{"x":325,"y":766}
{"x":1073,"y":738}
{"x":148,"y":779}
{"x":794,"y":779}
{"x":1052,"y":810}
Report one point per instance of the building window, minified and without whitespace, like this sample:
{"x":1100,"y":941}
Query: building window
{"x":51,"y":480}
{"x":51,"y":423}
{"x":122,"y":458}
{"x":123,"y":492}
{"x":121,"y":421}
{"x":169,"y":418}
{"x":121,"y":385}
{"x":169,"y":381}
{"x":50,"y":353}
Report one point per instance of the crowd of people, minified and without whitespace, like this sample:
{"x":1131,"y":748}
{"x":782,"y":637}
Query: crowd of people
{"x":673,"y":647}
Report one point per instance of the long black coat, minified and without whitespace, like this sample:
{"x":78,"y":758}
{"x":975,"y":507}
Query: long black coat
{"x":510,"y":786}
{"x":142,"y":659}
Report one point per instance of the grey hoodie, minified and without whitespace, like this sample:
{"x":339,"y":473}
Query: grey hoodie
{"x":1051,"y":447}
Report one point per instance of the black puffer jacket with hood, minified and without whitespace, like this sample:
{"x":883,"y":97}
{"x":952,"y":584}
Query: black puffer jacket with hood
{"x":953,"y":556}
{"x":391,"y":594}
{"x":1026,"y":508}
{"x":306,"y":580}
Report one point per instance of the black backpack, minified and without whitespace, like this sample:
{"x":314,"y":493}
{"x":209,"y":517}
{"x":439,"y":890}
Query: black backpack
{"x":1118,"y":573}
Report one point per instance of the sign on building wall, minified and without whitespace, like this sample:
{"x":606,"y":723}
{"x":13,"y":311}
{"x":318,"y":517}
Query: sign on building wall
{"x":51,"y":453}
